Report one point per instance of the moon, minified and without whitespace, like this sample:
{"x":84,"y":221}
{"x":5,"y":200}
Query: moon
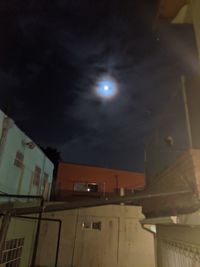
{"x":106,"y":87}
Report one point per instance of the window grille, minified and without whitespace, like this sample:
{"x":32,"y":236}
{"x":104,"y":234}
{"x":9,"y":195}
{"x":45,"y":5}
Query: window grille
{"x":45,"y":181}
{"x":11,"y":253}
{"x":91,"y":225}
{"x":36,"y":178}
{"x":96,"y":226}
{"x":46,"y":187}
{"x":19,"y":159}
{"x":177,"y":254}
{"x":86,"y":187}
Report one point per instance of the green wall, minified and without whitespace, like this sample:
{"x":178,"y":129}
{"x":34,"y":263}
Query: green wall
{"x":17,"y":180}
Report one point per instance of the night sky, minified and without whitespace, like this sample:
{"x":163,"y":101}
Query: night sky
{"x":52,"y":52}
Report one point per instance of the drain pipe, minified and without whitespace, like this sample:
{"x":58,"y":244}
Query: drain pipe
{"x":37,"y":233}
{"x":99,"y":202}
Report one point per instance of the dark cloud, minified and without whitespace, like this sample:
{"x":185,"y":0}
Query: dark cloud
{"x":52,"y":54}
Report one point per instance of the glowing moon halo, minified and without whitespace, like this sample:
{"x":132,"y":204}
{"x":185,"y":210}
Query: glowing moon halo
{"x":106,"y":87}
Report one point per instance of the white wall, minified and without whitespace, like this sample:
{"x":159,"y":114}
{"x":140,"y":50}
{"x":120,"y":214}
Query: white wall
{"x":191,"y":14}
{"x":121,"y":242}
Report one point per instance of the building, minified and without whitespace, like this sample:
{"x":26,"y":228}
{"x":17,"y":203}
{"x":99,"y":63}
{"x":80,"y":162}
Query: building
{"x":103,"y":236}
{"x":25,"y":176}
{"x":173,"y":160}
{"x":24,"y":169}
{"x":107,"y":236}
{"x":180,"y":12}
{"x":77,"y":181}
{"x":173,"y":178}
{"x":172,"y":153}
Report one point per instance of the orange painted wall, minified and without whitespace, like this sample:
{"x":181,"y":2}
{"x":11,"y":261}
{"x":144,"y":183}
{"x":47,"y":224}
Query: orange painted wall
{"x":108,"y":179}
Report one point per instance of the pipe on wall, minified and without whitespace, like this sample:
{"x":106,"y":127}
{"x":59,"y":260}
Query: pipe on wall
{"x":59,"y":231}
{"x":3,"y":228}
{"x":7,"y":124}
{"x":99,"y":202}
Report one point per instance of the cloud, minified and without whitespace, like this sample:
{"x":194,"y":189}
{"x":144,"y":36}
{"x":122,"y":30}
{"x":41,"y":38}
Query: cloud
{"x":52,"y":55}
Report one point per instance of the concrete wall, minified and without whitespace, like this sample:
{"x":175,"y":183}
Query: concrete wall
{"x":172,"y":122}
{"x":190,"y":14}
{"x":195,"y":10}
{"x":182,"y":174}
{"x":15,"y":179}
{"x":172,"y":167}
{"x":108,"y":179}
{"x":168,"y":9}
{"x":121,"y":242}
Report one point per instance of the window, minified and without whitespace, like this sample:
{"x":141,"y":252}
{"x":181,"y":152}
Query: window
{"x":44,"y":186}
{"x":80,"y":187}
{"x":47,"y":191}
{"x":96,"y":226}
{"x":86,"y":187}
{"x":45,"y":181}
{"x":93,"y":187}
{"x":86,"y":225}
{"x":91,"y":225}
{"x":36,"y":176}
{"x":19,"y":159}
{"x":11,"y":253}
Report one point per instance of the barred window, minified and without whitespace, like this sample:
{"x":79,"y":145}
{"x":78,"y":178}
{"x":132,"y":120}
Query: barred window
{"x":91,"y":225}
{"x":36,"y":177}
{"x":86,"y":187}
{"x":11,"y":253}
{"x":19,"y":159}
{"x":45,"y":181}
{"x":45,"y":187}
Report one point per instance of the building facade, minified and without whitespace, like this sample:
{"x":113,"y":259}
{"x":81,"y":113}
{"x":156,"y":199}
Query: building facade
{"x":107,"y":236}
{"x":24,"y":169}
{"x":74,"y":180}
{"x":173,"y":160}
{"x":25,"y":177}
{"x":181,"y":12}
